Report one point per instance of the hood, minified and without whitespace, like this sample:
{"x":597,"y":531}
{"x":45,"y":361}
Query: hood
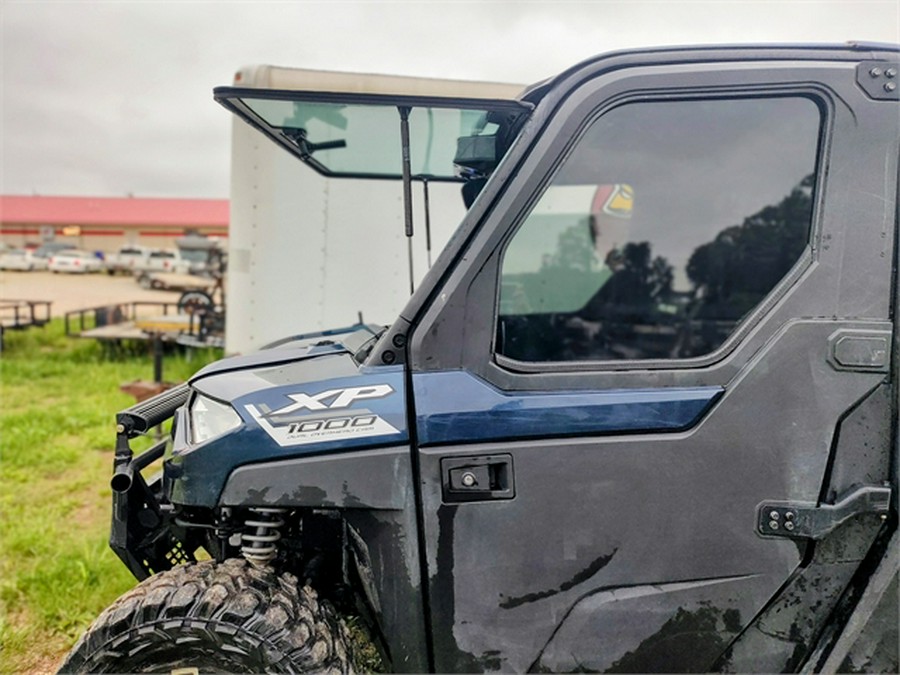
{"x":308,"y":396}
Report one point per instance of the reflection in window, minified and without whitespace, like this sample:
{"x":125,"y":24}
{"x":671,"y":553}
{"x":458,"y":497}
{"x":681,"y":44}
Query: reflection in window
{"x":668,"y":223}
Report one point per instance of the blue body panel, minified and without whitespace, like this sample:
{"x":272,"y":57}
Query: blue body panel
{"x":280,"y":421}
{"x":458,"y":407}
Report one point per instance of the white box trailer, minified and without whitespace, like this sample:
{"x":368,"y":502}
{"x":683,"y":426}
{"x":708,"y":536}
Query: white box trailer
{"x":308,"y":252}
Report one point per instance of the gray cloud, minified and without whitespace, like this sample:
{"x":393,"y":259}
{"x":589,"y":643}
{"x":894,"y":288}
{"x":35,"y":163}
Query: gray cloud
{"x":111,"y":98}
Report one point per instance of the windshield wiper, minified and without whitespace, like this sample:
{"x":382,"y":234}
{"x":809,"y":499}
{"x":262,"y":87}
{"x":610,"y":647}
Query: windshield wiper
{"x":307,"y":147}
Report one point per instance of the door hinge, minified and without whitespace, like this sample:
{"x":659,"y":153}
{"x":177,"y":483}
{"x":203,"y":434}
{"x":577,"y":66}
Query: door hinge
{"x":879,"y":79}
{"x":806,"y":520}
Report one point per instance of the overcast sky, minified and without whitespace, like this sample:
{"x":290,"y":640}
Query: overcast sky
{"x":114,"y":98}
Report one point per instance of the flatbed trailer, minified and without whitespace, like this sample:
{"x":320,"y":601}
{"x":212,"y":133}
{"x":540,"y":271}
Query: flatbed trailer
{"x":21,"y":314}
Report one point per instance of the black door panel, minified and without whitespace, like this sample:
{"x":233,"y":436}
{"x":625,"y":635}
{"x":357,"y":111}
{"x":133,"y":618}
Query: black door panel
{"x":636,"y":548}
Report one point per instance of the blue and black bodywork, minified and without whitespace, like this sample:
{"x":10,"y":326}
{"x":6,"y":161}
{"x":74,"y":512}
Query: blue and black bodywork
{"x":730,"y":510}
{"x":318,"y":434}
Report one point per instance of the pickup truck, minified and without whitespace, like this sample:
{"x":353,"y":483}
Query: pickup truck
{"x":164,"y":260}
{"x":126,"y":260}
{"x":640,"y":416}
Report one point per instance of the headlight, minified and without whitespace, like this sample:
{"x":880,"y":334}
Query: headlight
{"x":210,"y":418}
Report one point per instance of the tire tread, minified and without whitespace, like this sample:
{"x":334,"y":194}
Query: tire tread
{"x":260,"y":620}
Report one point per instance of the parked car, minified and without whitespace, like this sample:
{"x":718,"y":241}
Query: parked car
{"x":128,"y":259}
{"x":21,"y":259}
{"x":73,"y":260}
{"x":47,"y":250}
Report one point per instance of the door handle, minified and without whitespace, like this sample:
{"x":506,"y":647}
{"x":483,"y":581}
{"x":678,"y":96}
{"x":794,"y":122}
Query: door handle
{"x":484,"y":478}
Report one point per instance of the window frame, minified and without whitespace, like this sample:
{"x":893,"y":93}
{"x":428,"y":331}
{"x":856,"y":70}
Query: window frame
{"x":817,"y":95}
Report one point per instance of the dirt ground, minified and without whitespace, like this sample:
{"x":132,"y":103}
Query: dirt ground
{"x":69,"y":292}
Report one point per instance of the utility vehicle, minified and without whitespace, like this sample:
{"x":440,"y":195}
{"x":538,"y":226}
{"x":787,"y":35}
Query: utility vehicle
{"x":640,"y":416}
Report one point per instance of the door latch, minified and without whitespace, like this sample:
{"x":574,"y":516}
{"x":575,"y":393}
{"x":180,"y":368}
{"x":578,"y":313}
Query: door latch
{"x":469,"y":479}
{"x":806,"y":520}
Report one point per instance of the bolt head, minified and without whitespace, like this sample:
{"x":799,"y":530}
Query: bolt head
{"x":774,"y":515}
{"x":773,"y":524}
{"x":789,"y":526}
{"x":890,"y":86}
{"x":890,"y":72}
{"x":875,"y":72}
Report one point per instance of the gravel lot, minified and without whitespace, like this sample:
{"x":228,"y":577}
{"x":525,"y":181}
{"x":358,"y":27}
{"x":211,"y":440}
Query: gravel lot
{"x":70,"y":292}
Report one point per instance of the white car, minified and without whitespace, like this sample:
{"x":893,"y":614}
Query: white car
{"x":21,"y":259}
{"x":73,"y":260}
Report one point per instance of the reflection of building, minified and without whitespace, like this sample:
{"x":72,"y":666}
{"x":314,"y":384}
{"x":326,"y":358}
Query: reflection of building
{"x":106,"y":223}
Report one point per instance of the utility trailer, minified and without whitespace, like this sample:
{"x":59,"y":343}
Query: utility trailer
{"x":641,"y":414}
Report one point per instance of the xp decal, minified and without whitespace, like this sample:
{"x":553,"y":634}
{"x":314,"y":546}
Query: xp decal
{"x":324,"y":416}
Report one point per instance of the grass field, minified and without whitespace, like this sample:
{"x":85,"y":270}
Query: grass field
{"x":58,"y":398}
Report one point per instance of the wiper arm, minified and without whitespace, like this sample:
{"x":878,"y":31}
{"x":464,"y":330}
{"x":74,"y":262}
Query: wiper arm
{"x":307,"y":147}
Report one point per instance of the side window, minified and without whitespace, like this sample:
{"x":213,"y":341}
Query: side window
{"x":667,"y":223}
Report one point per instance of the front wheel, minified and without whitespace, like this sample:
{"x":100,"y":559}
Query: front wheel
{"x":215,"y":617}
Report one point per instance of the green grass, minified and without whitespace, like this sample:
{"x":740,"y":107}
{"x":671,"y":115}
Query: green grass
{"x":58,"y":399}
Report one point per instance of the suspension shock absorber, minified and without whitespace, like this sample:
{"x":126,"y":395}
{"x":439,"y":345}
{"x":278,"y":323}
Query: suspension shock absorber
{"x":261,"y":534}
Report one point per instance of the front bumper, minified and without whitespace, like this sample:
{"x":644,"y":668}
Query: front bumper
{"x":144,"y":533}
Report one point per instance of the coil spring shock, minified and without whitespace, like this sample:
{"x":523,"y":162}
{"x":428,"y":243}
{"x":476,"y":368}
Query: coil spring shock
{"x":261,"y":534}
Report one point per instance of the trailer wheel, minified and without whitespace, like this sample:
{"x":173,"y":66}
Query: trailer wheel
{"x":191,"y":302}
{"x":145,"y":282}
{"x":215,"y":617}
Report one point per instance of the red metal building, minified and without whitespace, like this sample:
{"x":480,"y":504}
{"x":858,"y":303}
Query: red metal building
{"x":106,"y":223}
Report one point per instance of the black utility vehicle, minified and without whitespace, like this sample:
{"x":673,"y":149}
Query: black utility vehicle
{"x":641,"y":416}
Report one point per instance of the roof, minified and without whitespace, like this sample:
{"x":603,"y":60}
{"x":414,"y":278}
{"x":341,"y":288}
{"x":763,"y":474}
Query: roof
{"x":277,"y":77}
{"x":112,"y":211}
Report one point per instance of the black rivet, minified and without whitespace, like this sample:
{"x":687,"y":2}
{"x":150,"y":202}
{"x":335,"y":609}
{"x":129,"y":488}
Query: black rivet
{"x":399,"y":341}
{"x":388,"y":357}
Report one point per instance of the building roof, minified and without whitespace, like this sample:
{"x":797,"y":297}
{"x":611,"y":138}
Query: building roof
{"x":112,"y":211}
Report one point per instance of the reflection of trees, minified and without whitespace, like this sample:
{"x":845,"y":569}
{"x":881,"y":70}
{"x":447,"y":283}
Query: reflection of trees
{"x":649,"y":279}
{"x":732,"y":273}
{"x":574,"y":250}
{"x":638,"y":279}
{"x":639,"y":284}
{"x":633,"y":312}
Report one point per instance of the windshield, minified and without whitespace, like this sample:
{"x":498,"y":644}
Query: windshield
{"x":365,"y":139}
{"x":361,"y":137}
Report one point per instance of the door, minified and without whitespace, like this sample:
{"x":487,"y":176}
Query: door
{"x":665,"y":345}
